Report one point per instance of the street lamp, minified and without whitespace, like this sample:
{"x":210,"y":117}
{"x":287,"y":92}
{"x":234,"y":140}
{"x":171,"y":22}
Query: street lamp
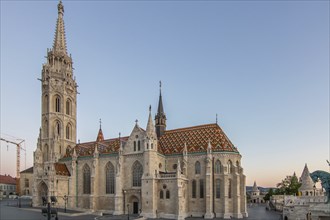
{"x":127,"y":211}
{"x":65,"y":202}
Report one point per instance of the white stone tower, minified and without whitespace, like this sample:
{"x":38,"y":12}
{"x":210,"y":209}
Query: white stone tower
{"x":58,"y":115}
{"x":59,"y":95}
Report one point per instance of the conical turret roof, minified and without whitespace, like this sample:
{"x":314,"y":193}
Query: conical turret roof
{"x":306,"y":180}
{"x":255,"y":187}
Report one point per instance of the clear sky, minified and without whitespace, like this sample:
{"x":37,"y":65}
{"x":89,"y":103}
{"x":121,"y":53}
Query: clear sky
{"x":262,"y":66}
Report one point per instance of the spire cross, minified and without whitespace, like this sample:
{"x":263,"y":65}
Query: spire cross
{"x":149,"y":108}
{"x":216,"y":118}
{"x":136,"y":121}
{"x":100,"y":123}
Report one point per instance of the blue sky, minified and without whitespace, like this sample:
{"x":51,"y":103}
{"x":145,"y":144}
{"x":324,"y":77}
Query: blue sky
{"x":262,"y":66}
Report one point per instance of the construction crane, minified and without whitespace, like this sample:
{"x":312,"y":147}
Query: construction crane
{"x":18,"y":154}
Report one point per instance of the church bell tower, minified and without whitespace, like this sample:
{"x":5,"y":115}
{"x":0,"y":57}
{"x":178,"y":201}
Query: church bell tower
{"x":59,"y":98}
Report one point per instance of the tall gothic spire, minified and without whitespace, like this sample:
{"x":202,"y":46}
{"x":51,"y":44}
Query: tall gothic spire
{"x":160,"y":117}
{"x":59,"y":40}
{"x":160,"y":102}
{"x":150,"y":126}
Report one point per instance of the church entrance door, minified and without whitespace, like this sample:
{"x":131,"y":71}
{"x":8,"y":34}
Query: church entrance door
{"x":135,"y":208}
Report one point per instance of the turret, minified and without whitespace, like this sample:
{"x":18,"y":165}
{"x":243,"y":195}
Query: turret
{"x":160,"y":117}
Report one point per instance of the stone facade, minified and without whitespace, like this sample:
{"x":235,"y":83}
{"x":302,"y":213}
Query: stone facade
{"x":154,"y":172}
{"x":26,"y":182}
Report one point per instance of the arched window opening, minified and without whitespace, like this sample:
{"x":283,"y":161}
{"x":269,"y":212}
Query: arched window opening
{"x":229,"y":188}
{"x":68,"y":131}
{"x":86,"y":180}
{"x":201,"y":188}
{"x":46,"y":104}
{"x":57,"y":104}
{"x":217,"y":167}
{"x":193,"y":187}
{"x":137,"y":173}
{"x":110,"y":178}
{"x":147,"y":146}
{"x":134,"y":145}
{"x":161,"y":194}
{"x":139,"y":145}
{"x":197,"y":167}
{"x":217,"y":188}
{"x":167,"y":194}
{"x":152,"y":146}
{"x":229,"y":166}
{"x":68,"y":107}
{"x":58,"y":128}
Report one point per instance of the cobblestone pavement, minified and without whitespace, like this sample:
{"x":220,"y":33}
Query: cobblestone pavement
{"x":9,"y":211}
{"x":256,"y":212}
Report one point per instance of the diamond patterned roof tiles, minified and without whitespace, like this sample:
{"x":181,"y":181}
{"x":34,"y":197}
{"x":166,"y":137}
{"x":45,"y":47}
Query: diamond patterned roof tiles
{"x":172,"y":142}
{"x":196,"y":139}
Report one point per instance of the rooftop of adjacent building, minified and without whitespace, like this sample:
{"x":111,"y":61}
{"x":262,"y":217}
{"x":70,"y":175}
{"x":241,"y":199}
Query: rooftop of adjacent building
{"x":7,"y":179}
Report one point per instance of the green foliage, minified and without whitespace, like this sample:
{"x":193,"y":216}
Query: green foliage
{"x":269,"y":194}
{"x":288,"y":186}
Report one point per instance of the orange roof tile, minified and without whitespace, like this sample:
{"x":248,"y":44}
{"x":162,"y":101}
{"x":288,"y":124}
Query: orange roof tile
{"x":104,"y":147}
{"x":7,"y":179}
{"x":196,"y":139}
{"x":61,"y":169}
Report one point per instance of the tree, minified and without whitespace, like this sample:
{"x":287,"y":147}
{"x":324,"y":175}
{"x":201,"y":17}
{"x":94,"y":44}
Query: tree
{"x":269,"y":194}
{"x":288,"y":186}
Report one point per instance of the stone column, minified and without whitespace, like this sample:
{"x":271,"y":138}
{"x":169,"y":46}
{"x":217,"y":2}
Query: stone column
{"x":119,"y":197}
{"x":209,"y":188}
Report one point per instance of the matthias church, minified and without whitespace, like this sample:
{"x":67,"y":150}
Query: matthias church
{"x":153,"y":172}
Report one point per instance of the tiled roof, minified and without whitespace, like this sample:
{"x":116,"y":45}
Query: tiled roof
{"x":196,"y":138}
{"x":104,"y":147}
{"x":7,"y":179}
{"x":29,"y":170}
{"x":61,"y":169}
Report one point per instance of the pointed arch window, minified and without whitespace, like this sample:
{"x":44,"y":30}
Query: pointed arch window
{"x":134,"y":145}
{"x":229,"y":166}
{"x":68,"y":132}
{"x":58,"y":128}
{"x":193,"y":189}
{"x":57,"y":104}
{"x":46,"y":104}
{"x":86,"y":180}
{"x":229,"y":188}
{"x":68,"y":107}
{"x":139,"y":145}
{"x":137,"y":174}
{"x":167,"y":194}
{"x":201,"y":188}
{"x":110,"y":178}
{"x":197,"y":167}
{"x":217,"y":188}
{"x":217,"y":168}
{"x":161,"y":194}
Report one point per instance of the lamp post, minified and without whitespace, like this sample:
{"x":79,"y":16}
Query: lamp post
{"x":127,"y":211}
{"x":65,"y":202}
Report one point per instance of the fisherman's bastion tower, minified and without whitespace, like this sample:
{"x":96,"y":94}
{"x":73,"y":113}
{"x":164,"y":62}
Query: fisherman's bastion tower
{"x":154,"y":172}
